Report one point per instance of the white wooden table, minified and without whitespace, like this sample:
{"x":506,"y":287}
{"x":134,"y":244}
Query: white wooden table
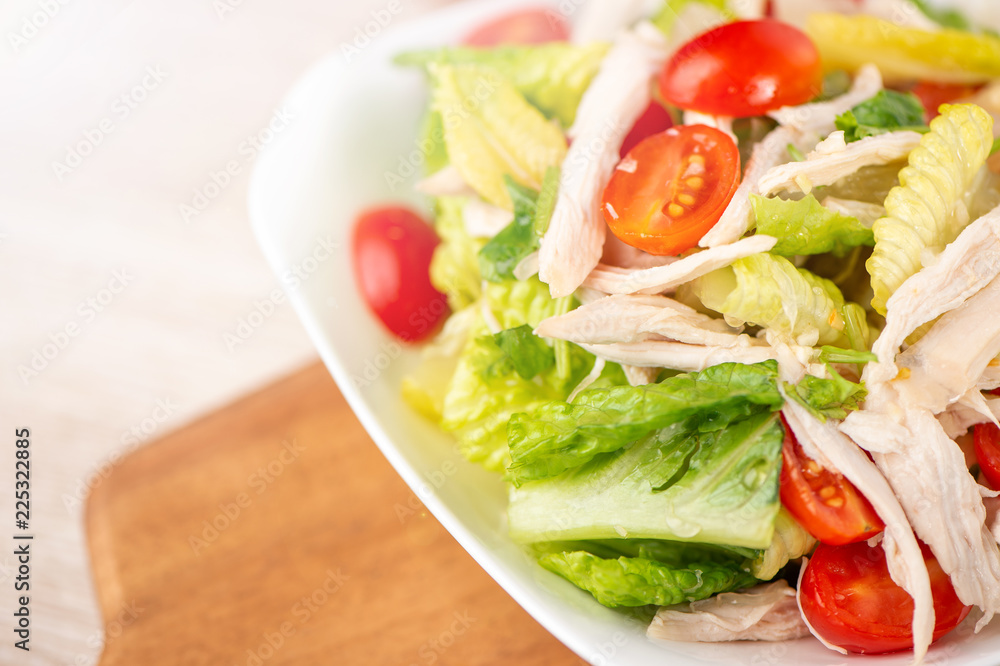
{"x":135,"y":296}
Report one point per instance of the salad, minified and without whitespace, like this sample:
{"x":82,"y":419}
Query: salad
{"x":712,"y":289}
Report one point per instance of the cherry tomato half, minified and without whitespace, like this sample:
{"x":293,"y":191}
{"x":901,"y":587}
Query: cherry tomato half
{"x":986,"y":438}
{"x":529,"y":26}
{"x":849,"y":599}
{"x":743,"y":69}
{"x":392,"y":249}
{"x":933,"y":95}
{"x":822,"y":500}
{"x":653,"y":120}
{"x":672,"y":188}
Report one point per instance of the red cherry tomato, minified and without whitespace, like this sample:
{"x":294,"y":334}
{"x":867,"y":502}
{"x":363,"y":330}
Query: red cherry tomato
{"x":654,"y":119}
{"x":933,"y":95}
{"x":528,"y":26}
{"x":672,"y":188}
{"x":986,"y":438}
{"x":822,"y":500}
{"x":743,"y":69}
{"x":392,"y":249}
{"x":850,"y":600}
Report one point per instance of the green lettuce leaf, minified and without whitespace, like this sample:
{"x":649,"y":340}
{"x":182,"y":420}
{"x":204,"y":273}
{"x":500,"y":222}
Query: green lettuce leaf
{"x":827,"y":398}
{"x":946,"y":17}
{"x":904,"y":54}
{"x":885,"y":112}
{"x":806,"y":227}
{"x":491,"y":131}
{"x":527,"y":352}
{"x":486,"y":388}
{"x":454,"y":267}
{"x":791,"y":541}
{"x":425,"y":388}
{"x":929,"y":207}
{"x":551,"y":76}
{"x":672,"y":9}
{"x":769,"y":291}
{"x":677,"y":484}
{"x":636,"y":581}
{"x":430,"y":140}
{"x":502,"y":253}
{"x":560,"y":436}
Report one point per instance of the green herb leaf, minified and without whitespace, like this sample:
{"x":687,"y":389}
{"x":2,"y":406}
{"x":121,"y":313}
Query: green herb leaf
{"x":528,"y":352}
{"x":885,"y":112}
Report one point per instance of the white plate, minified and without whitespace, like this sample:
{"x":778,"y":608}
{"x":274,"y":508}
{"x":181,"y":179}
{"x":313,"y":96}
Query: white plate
{"x":354,"y":122}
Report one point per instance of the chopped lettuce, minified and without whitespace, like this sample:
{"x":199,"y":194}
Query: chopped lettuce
{"x":559,"y":436}
{"x":791,"y":541}
{"x":767,"y":290}
{"x":637,"y":581}
{"x":551,"y":76}
{"x":671,"y":10}
{"x":827,"y":398}
{"x":430,"y":140}
{"x":929,"y":207}
{"x":887,"y":111}
{"x":425,"y":388}
{"x":502,"y":253}
{"x":678,"y":484}
{"x":947,"y":17}
{"x":491,"y":131}
{"x":807,"y":227}
{"x":454,"y":270}
{"x":486,"y":388}
{"x":904,"y":54}
{"x":527,"y":352}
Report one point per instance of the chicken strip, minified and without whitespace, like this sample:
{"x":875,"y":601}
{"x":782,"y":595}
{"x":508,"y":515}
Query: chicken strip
{"x":942,"y":501}
{"x":833,"y":159}
{"x":618,"y":95}
{"x":767,"y":612}
{"x":637,"y":318}
{"x":828,"y":446}
{"x":677,"y":355}
{"x":662,"y":278}
{"x":818,"y":117}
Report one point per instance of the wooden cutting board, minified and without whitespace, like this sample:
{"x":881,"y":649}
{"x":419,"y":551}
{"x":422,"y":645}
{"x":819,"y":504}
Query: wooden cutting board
{"x":274,"y":532}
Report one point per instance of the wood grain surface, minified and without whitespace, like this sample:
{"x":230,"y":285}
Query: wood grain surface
{"x":274,"y":532}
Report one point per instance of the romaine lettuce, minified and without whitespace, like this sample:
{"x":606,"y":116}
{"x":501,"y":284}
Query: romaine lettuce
{"x":904,"y":54}
{"x":560,"y":436}
{"x":678,"y":484}
{"x":887,"y":111}
{"x":929,"y":207}
{"x":806,"y":227}
{"x":454,"y":268}
{"x":767,"y":290}
{"x":551,"y":76}
{"x":636,"y":581}
{"x":491,"y":131}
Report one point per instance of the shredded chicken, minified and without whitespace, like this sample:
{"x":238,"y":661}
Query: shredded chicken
{"x":662,"y":278}
{"x":866,"y":213}
{"x":637,"y":318}
{"x":819,"y":117}
{"x":447,"y":181}
{"x":766,"y":612}
{"x":679,"y":356}
{"x":963,"y":268}
{"x":618,"y":95}
{"x":833,"y":159}
{"x":952,"y":355}
{"x":737,"y":219}
{"x":722,"y":123}
{"x":619,"y":254}
{"x":639,"y":376}
{"x":942,"y":501}
{"x":829,"y":447}
{"x":484,"y":220}
{"x":601,"y":20}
